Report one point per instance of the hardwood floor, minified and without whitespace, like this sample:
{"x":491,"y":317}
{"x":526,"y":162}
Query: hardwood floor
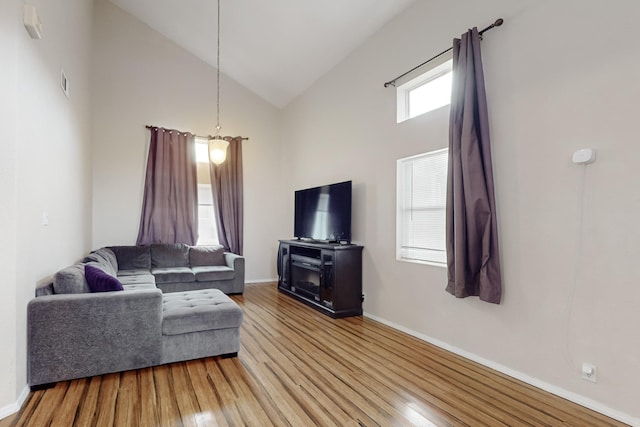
{"x":297,"y":367}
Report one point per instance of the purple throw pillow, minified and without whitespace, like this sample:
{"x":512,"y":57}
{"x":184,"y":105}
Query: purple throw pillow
{"x":99,"y":281}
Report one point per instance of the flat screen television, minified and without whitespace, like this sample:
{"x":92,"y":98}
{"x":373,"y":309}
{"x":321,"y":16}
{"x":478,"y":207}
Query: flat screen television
{"x":324,"y":213}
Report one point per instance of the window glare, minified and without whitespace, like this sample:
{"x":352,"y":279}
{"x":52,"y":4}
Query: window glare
{"x":431,"y":95}
{"x":207,"y":230}
{"x":202,"y":151}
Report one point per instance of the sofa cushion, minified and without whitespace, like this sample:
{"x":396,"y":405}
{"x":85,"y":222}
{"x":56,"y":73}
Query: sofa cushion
{"x":109,"y":255}
{"x":138,"y":279}
{"x":138,"y":286}
{"x":214,"y":272}
{"x":173,"y":275}
{"x":136,"y":272}
{"x":106,"y":255}
{"x":132,"y":257}
{"x":70,"y":280}
{"x":100,"y":262}
{"x":45,"y":288}
{"x":195,"y":311}
{"x":169,"y":255}
{"x":206,"y":255}
{"x":100,"y":281}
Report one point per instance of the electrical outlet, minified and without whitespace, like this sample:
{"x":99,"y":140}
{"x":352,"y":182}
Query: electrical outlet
{"x":589,"y":372}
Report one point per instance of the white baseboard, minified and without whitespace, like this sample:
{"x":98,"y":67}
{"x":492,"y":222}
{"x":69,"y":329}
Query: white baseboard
{"x":558,"y":391}
{"x":248,"y":282}
{"x":14,"y":407}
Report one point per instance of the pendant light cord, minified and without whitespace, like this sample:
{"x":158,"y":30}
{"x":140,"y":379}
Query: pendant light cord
{"x":218,"y":78}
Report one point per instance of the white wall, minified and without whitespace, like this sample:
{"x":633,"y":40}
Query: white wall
{"x":557,"y":81}
{"x":44,"y":166}
{"x":141,"y":78}
{"x":9,"y":33}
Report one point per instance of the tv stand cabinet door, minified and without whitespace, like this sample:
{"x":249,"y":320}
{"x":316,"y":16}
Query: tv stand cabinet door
{"x":327,"y":288}
{"x":347,"y":274}
{"x":284,"y":266}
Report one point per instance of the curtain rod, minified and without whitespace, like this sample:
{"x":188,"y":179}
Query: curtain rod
{"x":498,"y":22}
{"x":197,"y":136}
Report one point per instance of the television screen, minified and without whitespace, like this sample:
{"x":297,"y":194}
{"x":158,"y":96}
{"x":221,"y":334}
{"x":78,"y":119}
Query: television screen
{"x":324,"y":213}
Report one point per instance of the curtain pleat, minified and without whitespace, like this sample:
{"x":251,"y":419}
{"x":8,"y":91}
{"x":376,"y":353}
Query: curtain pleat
{"x":170,"y":201}
{"x":473,"y":258}
{"x":227,"y":188}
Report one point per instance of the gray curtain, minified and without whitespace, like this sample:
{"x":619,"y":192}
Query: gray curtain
{"x":170,"y":203}
{"x":226,"y":184}
{"x":473,"y":258}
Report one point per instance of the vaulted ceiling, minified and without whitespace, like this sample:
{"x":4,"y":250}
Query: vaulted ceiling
{"x":275,"y":48}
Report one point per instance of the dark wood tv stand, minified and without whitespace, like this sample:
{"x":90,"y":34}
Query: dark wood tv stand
{"x":326,"y":276}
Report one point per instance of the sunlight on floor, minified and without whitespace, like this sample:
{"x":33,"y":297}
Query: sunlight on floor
{"x":415,"y":417}
{"x":204,"y":419}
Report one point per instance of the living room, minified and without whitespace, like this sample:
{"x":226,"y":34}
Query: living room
{"x":566,"y":231}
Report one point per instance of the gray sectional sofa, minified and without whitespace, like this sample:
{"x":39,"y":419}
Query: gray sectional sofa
{"x":170,"y":305}
{"x":177,"y":267}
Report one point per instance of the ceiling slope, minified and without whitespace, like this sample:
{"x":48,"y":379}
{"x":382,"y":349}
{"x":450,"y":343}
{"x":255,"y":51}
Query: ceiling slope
{"x":275,"y":48}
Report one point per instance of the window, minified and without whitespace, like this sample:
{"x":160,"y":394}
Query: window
{"x":426,"y":92}
{"x":207,"y":230}
{"x":422,"y":194}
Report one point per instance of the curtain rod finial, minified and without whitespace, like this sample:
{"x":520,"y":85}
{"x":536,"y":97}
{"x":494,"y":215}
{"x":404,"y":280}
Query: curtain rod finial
{"x":498,"y":22}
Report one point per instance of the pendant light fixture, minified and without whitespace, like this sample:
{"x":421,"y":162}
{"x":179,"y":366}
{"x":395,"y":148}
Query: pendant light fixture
{"x":217,"y":144}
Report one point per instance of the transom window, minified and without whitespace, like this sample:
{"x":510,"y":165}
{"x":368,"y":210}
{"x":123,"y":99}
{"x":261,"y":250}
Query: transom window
{"x":426,"y":92}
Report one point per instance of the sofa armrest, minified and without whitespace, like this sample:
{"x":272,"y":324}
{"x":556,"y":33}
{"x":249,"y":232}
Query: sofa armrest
{"x":236,"y":262}
{"x":81,"y":335}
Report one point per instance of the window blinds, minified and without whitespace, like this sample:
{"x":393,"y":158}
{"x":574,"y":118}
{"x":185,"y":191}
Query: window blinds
{"x":422,"y":207}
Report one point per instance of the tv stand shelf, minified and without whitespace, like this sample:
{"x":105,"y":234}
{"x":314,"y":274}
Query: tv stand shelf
{"x":326,"y":276}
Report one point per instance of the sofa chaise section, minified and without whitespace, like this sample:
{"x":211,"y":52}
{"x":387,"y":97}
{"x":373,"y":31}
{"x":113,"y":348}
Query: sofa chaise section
{"x":196,"y":324}
{"x":86,"y":334}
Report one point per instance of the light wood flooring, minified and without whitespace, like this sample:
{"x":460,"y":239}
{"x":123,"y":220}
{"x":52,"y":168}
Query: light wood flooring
{"x":297,"y":367}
